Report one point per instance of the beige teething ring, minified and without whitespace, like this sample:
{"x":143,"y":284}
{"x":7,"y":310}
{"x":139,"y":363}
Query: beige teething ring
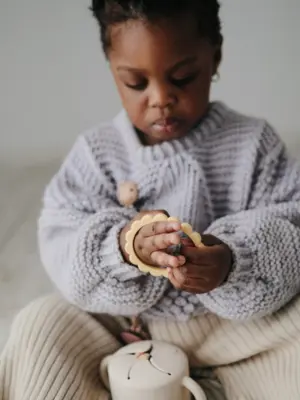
{"x":148,"y":219}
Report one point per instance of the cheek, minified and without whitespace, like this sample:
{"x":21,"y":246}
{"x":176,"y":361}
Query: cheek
{"x":128,"y":97}
{"x":203,"y":83}
{"x":196,"y":98}
{"x":135,"y":103}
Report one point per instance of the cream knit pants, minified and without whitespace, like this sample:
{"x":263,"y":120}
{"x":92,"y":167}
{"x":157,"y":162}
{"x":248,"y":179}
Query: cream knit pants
{"x":54,"y":352}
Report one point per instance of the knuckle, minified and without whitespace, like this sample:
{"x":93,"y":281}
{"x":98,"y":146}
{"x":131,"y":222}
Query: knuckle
{"x":165,"y":240}
{"x":176,"y":238}
{"x":140,"y":248}
{"x":170,"y":238}
{"x":154,"y":241}
{"x":144,"y":250}
{"x":154,"y":228}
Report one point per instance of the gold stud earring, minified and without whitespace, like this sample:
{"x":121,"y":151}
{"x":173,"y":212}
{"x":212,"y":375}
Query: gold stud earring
{"x":216,"y":77}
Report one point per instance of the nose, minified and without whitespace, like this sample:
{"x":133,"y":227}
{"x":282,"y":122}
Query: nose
{"x":161,"y":96}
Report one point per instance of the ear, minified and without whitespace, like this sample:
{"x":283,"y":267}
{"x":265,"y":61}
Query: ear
{"x":218,"y":56}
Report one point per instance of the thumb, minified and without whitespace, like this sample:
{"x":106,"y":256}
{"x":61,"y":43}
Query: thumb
{"x":210,"y":240}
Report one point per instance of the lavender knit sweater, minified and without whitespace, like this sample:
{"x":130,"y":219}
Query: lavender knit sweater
{"x":230,"y":177}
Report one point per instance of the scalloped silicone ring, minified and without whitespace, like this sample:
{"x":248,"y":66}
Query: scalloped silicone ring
{"x":148,"y":219}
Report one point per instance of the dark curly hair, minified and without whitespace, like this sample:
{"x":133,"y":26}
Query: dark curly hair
{"x":112,"y":12}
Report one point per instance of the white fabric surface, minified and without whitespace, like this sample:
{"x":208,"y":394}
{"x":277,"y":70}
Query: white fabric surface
{"x":22,"y":277}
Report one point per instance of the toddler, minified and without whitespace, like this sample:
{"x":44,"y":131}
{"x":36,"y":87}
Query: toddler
{"x":232,"y":304}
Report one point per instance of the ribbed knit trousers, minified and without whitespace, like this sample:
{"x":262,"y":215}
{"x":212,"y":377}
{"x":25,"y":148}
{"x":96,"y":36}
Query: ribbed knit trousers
{"x":54,"y":352}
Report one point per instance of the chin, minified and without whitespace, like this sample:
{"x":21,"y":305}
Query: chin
{"x":155,"y":139}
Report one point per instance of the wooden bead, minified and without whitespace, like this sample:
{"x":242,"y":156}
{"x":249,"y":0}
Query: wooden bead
{"x":127,"y":193}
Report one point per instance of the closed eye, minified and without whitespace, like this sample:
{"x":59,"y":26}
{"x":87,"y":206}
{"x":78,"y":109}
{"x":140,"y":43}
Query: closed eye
{"x":176,"y":82}
{"x":184,"y":81}
{"x":139,"y":87}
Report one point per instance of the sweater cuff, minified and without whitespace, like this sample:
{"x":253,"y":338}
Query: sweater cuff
{"x":233,"y":299}
{"x":112,"y":257}
{"x":234,"y":238}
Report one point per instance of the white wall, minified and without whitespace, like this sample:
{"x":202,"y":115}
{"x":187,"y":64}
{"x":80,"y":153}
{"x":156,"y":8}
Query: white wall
{"x":260,"y":74}
{"x":54,"y":81}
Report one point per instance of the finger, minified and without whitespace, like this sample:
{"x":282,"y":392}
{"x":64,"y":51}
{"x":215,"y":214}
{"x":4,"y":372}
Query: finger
{"x":203,"y":279}
{"x":183,"y":277}
{"x":157,"y":228}
{"x":210,"y":240}
{"x":187,"y":242}
{"x":194,"y":271}
{"x":165,"y":260}
{"x":173,"y":280}
{"x":161,"y":242}
{"x":181,"y":282}
{"x":179,"y":275}
{"x":203,"y":255}
{"x":134,"y":323}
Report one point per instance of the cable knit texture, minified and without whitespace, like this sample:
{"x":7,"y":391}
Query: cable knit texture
{"x":231,"y":177}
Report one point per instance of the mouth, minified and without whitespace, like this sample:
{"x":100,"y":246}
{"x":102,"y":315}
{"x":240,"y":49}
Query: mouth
{"x":166,"y":125}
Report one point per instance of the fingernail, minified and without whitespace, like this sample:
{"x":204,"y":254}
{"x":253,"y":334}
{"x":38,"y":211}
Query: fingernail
{"x":183,"y":270}
{"x":181,"y":260}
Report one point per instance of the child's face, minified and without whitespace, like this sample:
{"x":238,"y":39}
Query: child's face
{"x":163,"y":74}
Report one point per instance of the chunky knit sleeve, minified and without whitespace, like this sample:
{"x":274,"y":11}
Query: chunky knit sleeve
{"x":265,"y":239}
{"x":78,"y":237}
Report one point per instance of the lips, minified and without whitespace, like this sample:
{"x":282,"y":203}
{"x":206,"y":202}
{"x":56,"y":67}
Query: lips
{"x":167,"y":125}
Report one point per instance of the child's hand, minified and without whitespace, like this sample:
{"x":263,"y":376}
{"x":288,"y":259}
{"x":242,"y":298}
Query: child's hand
{"x":206,"y":267}
{"x":153,"y":240}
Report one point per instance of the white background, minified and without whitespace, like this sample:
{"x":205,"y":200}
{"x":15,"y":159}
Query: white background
{"x":54,"y":81}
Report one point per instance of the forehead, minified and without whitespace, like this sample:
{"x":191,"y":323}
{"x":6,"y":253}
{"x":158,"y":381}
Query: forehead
{"x":141,"y":42}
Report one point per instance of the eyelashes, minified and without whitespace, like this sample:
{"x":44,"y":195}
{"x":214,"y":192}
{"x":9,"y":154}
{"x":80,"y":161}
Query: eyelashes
{"x":176,"y":82}
{"x":138,"y":87}
{"x":184,"y":81}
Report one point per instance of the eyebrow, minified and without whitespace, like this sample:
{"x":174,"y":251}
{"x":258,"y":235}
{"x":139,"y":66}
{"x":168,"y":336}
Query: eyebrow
{"x":182,"y":63}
